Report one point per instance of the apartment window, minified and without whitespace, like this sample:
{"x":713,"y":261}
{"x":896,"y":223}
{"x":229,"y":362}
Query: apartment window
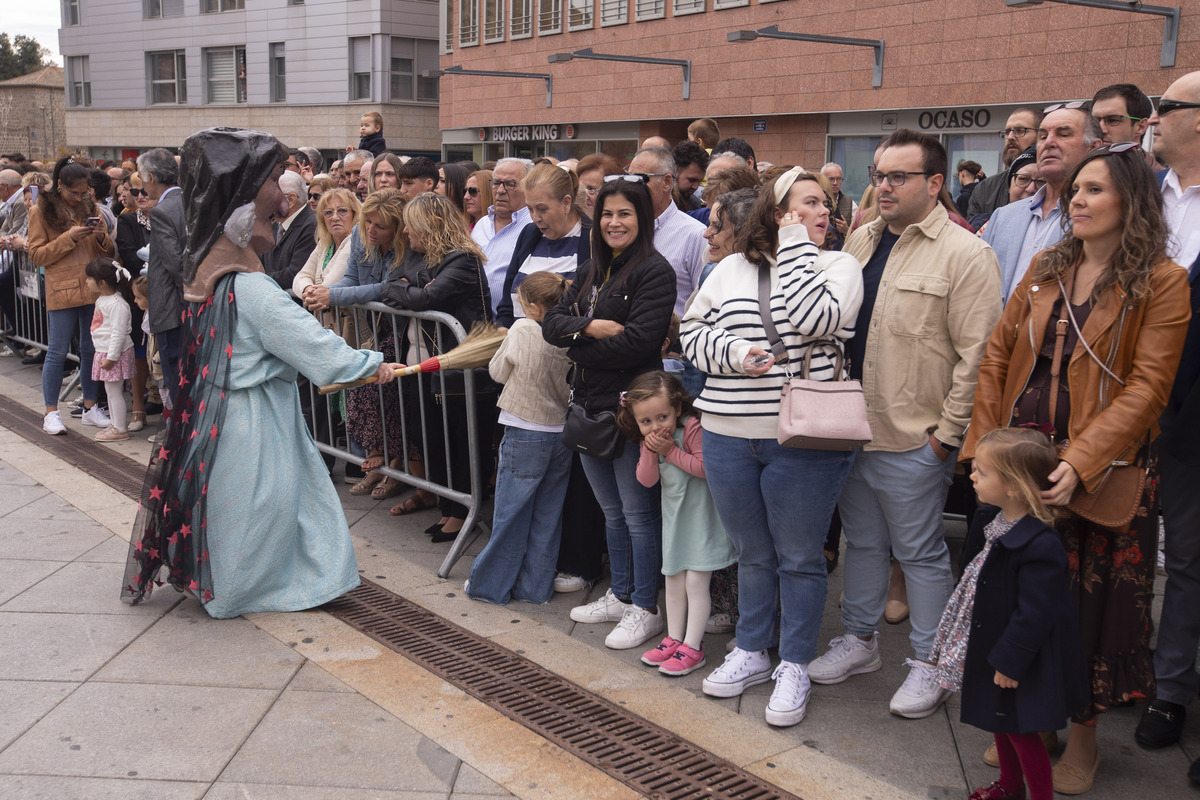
{"x":549,"y":16}
{"x":225,"y":73}
{"x":411,"y":58}
{"x":730,"y":3}
{"x":649,"y":9}
{"x":468,"y":23}
{"x":71,"y":13}
{"x":213,"y":6}
{"x":580,"y":15}
{"x":168,"y":77}
{"x":360,"y":68}
{"x":278,"y":73}
{"x":521,"y":25}
{"x":78,"y":74}
{"x":682,"y":7}
{"x":614,"y":12}
{"x":448,"y":10}
{"x":157,"y":9}
{"x":493,"y":20}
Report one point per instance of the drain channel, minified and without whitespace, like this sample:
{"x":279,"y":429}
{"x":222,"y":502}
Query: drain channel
{"x":644,"y":756}
{"x":640,"y":754}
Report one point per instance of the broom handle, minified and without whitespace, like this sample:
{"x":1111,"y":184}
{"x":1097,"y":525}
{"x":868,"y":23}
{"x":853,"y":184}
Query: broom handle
{"x":337,"y":387}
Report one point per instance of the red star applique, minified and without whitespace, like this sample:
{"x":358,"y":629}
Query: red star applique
{"x":153,"y":552}
{"x":204,"y":372}
{"x":193,"y":436}
{"x":193,"y":585}
{"x":187,"y":476}
{"x":201,"y":409}
{"x":168,"y":413}
{"x":183,"y":381}
{"x":204,"y":490}
{"x":156,"y":493}
{"x":213,"y":433}
{"x":192,"y":349}
{"x":183,"y":315}
{"x":212,"y":333}
{"x":138,"y":546}
{"x":137,"y":578}
{"x":204,"y":555}
{"x":184,"y":417}
{"x":185,"y":531}
{"x":173,"y":538}
{"x":163,"y":452}
{"x":204,"y":522}
{"x":203,"y":464}
{"x":231,"y":297}
{"x":207,"y":595}
{"x":229,"y":350}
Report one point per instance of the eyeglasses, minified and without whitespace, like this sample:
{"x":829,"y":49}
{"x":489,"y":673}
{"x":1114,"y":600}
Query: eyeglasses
{"x":1025,"y":180}
{"x":330,"y":213}
{"x":1166,"y":106}
{"x":1075,"y":105}
{"x":1113,"y":120}
{"x":894,"y":179}
{"x":870,"y":170}
{"x":1018,"y":132}
{"x":138,"y":192}
{"x":508,"y":185}
{"x":646,"y":176}
{"x":591,"y":190}
{"x":473,"y":191}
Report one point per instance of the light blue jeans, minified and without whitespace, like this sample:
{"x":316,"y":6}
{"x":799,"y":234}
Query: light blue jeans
{"x":894,"y":501}
{"x":633,"y":525}
{"x":531,"y":483}
{"x":63,"y":322}
{"x":776,"y":503}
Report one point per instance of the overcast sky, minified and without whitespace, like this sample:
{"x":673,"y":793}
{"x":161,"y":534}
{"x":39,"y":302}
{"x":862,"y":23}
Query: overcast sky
{"x":37,"y":18}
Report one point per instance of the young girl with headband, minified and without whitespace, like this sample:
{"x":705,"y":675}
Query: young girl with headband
{"x":113,"y":362}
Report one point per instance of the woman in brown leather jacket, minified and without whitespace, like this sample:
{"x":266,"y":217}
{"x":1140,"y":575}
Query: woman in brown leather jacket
{"x":1124,"y":327}
{"x":66,"y":231}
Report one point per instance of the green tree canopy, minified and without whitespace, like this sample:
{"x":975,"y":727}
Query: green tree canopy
{"x":21,"y":55}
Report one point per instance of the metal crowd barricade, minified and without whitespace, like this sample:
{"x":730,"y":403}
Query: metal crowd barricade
{"x":364,"y":326}
{"x":31,"y":329}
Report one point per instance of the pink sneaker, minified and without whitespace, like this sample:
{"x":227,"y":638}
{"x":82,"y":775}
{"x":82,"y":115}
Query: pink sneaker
{"x":684,"y":661}
{"x":666,"y":648}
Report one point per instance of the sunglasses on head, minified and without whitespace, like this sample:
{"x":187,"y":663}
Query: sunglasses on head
{"x":1075,"y":105}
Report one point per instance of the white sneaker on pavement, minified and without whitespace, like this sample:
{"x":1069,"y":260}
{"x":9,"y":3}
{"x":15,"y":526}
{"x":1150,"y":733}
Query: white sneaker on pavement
{"x":719,"y":623}
{"x":637,"y":625}
{"x":607,"y":609}
{"x":53,"y":424}
{"x":921,"y":694}
{"x":565,"y":583}
{"x":847,"y":655}
{"x":95,"y":416}
{"x":789,"y":700}
{"x":740,"y":670}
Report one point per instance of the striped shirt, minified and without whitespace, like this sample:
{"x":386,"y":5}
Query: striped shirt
{"x":680,"y":239}
{"x":814,"y":295}
{"x":560,"y":256}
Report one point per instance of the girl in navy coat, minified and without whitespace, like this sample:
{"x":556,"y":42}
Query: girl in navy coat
{"x":1008,"y":639}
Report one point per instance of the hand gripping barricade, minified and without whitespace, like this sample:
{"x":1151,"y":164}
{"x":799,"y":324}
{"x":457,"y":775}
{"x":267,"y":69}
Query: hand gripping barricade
{"x":24,"y":290}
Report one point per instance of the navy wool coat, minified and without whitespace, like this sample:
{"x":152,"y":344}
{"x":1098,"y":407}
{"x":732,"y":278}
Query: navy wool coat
{"x":1025,"y":626}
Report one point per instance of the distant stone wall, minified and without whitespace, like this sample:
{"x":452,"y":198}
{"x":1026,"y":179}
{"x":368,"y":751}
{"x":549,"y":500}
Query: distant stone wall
{"x":21,"y":113}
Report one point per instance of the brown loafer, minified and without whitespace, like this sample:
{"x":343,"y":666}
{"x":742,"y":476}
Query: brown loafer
{"x":1070,"y":779}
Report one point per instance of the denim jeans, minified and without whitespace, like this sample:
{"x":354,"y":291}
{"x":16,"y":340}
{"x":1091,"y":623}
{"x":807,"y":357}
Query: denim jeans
{"x":170,"y":350}
{"x":531,"y":483}
{"x":776,"y":503}
{"x":64,"y":322}
{"x":633,"y":526}
{"x":894,"y":501}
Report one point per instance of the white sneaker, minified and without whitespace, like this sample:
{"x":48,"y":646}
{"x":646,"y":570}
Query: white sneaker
{"x":607,"y":609}
{"x":847,"y":655}
{"x":789,"y":700}
{"x":565,"y":583}
{"x":53,"y":424}
{"x":95,"y":416}
{"x":921,"y":694}
{"x":731,"y":645}
{"x":719,"y":623}
{"x":740,"y":670}
{"x":638,"y":625}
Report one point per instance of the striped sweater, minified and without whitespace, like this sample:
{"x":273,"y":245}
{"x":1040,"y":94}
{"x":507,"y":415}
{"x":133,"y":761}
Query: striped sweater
{"x":814,"y":295}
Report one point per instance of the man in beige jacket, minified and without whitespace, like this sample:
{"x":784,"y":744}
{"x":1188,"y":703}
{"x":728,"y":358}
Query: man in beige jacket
{"x":931,"y":298}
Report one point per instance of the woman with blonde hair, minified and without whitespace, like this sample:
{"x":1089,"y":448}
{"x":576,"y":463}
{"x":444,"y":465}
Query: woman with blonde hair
{"x":337,"y":215}
{"x":477,"y":196}
{"x":449,"y":280}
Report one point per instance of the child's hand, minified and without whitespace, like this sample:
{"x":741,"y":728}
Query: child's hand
{"x":660,"y":443}
{"x":1004,"y":682}
{"x":107,"y":363}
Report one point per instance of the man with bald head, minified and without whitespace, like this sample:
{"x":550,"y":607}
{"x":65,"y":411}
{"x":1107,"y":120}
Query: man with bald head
{"x":295,"y":234}
{"x":843,"y":206}
{"x":1020,"y":230}
{"x":655,"y":141}
{"x":1176,"y":132}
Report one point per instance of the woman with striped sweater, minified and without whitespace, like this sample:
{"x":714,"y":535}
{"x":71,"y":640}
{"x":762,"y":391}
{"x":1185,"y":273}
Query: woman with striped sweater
{"x":776,"y":502}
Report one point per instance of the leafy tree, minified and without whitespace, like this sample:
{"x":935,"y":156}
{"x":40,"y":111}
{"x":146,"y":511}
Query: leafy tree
{"x":21,"y":55}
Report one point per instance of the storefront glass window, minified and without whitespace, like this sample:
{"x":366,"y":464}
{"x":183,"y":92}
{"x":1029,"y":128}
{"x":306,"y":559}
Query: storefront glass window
{"x":982,"y":147}
{"x":854,"y":154}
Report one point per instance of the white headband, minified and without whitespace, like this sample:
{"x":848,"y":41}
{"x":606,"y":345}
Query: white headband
{"x":783,"y":184}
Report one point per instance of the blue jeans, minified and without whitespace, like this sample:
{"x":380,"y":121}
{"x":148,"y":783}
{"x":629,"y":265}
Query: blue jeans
{"x":64,"y":322}
{"x":776,"y":503}
{"x":894,"y":501}
{"x":531,"y":483}
{"x":170,"y":349}
{"x":633,"y":526}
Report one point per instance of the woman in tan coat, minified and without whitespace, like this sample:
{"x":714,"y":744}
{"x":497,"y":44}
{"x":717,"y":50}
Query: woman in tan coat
{"x":1095,"y":374}
{"x":66,"y":231}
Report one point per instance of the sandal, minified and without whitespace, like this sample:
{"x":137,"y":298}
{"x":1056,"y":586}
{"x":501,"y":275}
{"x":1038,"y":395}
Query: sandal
{"x":389,"y":488}
{"x":138,"y":422}
{"x":413,"y":504}
{"x":367,"y":484}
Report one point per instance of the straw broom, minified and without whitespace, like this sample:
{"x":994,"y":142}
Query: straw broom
{"x":474,"y":351}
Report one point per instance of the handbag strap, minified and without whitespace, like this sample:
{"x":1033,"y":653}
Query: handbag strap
{"x":1079,"y":333}
{"x":764,"y":307}
{"x":1060,"y":339}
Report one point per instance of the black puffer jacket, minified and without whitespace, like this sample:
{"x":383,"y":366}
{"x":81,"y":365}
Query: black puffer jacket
{"x":643,"y":304}
{"x":455,"y":286}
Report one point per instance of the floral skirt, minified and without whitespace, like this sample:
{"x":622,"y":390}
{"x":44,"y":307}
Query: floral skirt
{"x":120,"y":371}
{"x":1112,"y":580}
{"x":368,"y":424}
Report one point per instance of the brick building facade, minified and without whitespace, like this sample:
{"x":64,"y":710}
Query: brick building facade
{"x":32,"y":114}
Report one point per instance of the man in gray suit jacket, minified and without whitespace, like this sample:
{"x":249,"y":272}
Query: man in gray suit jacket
{"x":295,"y":234}
{"x":164,"y":270}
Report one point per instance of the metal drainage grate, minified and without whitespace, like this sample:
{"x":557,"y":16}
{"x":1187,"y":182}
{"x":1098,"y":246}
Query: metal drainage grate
{"x":107,"y":466}
{"x":640,"y":754}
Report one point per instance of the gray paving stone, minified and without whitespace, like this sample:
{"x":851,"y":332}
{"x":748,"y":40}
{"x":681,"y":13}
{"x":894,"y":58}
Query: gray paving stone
{"x":48,"y":507}
{"x":471,"y":781}
{"x":81,"y":588}
{"x":45,"y":787}
{"x":343,"y":740}
{"x":223,"y":790}
{"x":189,"y":647}
{"x":18,"y":496}
{"x":64,"y":647}
{"x":113,"y":550}
{"x":50,"y":539}
{"x":17,"y":575}
{"x":11,"y":476}
{"x":149,"y":731}
{"x":25,"y":702}
{"x":312,"y":678}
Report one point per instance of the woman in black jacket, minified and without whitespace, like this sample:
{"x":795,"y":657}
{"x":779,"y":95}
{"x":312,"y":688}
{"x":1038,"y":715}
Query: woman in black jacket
{"x":450,"y":280}
{"x":614,"y":321}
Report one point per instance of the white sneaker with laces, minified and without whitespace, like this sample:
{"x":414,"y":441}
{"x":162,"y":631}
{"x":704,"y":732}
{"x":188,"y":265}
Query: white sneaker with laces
{"x":53,"y":424}
{"x":637,"y":625}
{"x":789,"y":700}
{"x":607,"y":609}
{"x":921,"y":694}
{"x":847,"y":655}
{"x":95,"y":416}
{"x":565,"y":583}
{"x":719,"y":623}
{"x":740,"y":670}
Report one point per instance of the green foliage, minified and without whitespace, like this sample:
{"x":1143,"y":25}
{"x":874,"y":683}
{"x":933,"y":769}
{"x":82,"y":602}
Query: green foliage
{"x":21,"y":55}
